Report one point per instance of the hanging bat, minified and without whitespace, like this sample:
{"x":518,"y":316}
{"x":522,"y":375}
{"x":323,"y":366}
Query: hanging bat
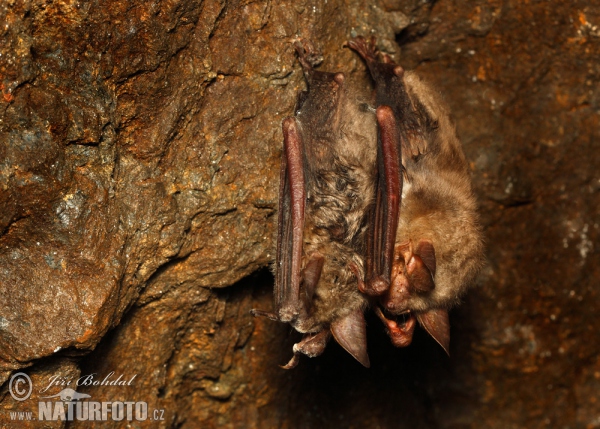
{"x":327,"y":183}
{"x":424,"y":244}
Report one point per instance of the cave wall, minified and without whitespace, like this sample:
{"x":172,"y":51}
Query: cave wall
{"x":139,"y":161}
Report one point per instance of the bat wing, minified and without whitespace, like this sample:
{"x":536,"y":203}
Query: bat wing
{"x":292,"y":200}
{"x":289,"y":305}
{"x":383,"y":216}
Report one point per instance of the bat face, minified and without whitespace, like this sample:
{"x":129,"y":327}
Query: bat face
{"x":375,"y":208}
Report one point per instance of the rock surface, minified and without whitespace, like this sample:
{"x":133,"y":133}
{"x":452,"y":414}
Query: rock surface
{"x":139,"y":162}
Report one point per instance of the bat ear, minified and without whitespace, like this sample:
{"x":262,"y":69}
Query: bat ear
{"x":426,"y":251}
{"x":421,"y":266}
{"x":311,"y":274}
{"x":351,"y":333}
{"x":436,"y":323}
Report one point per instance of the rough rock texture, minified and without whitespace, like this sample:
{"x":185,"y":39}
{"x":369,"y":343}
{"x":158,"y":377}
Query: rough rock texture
{"x":139,"y":154}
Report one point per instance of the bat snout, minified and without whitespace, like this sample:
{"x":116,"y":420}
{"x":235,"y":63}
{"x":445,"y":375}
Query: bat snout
{"x":393,"y":307}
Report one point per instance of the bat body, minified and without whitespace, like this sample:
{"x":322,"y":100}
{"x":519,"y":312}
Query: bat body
{"x":327,"y":179}
{"x":425,"y":244}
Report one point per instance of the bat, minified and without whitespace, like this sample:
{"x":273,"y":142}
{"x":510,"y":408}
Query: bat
{"x":424,"y":243}
{"x":375,"y":208}
{"x":327,"y":181}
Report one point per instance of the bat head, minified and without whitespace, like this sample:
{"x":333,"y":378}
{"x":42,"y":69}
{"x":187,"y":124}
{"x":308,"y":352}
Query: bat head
{"x":413,"y":274}
{"x":339,"y":304}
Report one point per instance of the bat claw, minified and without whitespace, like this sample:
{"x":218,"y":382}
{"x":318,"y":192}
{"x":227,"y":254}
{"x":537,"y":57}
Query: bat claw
{"x":311,"y":345}
{"x":366,"y":49}
{"x":292,"y":363}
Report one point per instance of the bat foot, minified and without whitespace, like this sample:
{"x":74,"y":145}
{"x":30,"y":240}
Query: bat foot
{"x":418,"y":144}
{"x":365,"y":48}
{"x":292,"y":363}
{"x":308,"y":55}
{"x":312,"y":345}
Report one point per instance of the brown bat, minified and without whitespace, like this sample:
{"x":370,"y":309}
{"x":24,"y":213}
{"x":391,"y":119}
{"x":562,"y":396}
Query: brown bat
{"x":424,"y":244}
{"x":327,"y":184}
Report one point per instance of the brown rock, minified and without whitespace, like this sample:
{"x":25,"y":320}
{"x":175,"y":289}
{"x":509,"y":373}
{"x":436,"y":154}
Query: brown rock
{"x":139,"y":154}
